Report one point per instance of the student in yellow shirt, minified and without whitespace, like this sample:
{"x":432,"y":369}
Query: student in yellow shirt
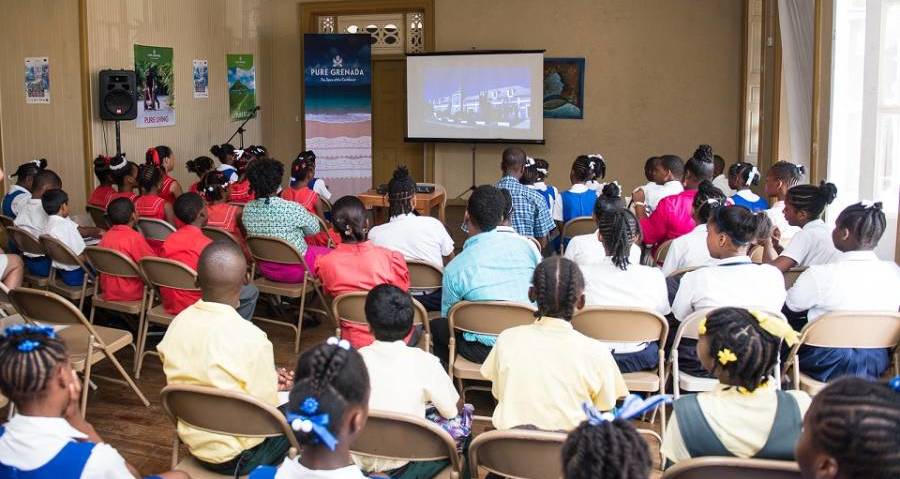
{"x":210,"y":344}
{"x":543,"y":372}
{"x":746,"y":415}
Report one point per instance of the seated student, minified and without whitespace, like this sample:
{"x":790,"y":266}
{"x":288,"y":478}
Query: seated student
{"x":358,"y":264}
{"x":269,"y":215}
{"x":124,"y":174}
{"x":316,"y":184}
{"x":667,"y":173}
{"x":492,"y":266}
{"x":33,"y":219}
{"x":746,"y":415}
{"x":720,"y":179}
{"x":535,"y":177}
{"x":673,"y":215}
{"x":301,"y":172}
{"x":781,"y":177}
{"x":210,"y":344}
{"x":150,"y":204}
{"x":505,"y":225}
{"x":690,"y":250}
{"x":579,"y":200}
{"x":803,"y":207}
{"x":199,"y":166}
{"x":543,"y":372}
{"x":48,"y":437}
{"x":226,"y":155}
{"x":587,"y":454}
{"x":588,"y":248}
{"x":619,"y":282}
{"x":650,"y":173}
{"x":103,"y":192}
{"x":240,"y":191}
{"x":185,"y":245}
{"x":163,"y":158}
{"x":213,"y":187}
{"x":530,"y":217}
{"x":20,"y":192}
{"x":404,"y":379}
{"x":123,"y":238}
{"x":850,"y":431}
{"x":741,"y":176}
{"x":330,"y":382}
{"x":733,"y":281}
{"x":855,"y":281}
{"x":60,"y":227}
{"x":598,"y":173}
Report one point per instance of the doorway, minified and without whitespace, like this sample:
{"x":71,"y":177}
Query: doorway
{"x":389,"y":150}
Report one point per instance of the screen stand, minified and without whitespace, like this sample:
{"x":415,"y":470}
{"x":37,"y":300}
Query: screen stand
{"x":472,"y":187}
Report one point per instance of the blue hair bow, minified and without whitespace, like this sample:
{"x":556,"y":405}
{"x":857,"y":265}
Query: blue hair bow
{"x":895,"y":384}
{"x":28,"y":345}
{"x":308,"y":421}
{"x":632,"y":406}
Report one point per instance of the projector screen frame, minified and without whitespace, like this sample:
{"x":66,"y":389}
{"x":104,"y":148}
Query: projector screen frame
{"x":469,"y":141}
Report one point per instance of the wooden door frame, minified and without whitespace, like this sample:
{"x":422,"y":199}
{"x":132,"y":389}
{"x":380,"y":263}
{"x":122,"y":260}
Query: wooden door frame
{"x":770,"y":86}
{"x":307,"y":21}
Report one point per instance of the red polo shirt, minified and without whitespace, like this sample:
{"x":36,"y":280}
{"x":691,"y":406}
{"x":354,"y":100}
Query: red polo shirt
{"x":124,"y":239}
{"x":185,"y":246}
{"x":121,"y":194}
{"x":150,"y":206}
{"x":100,"y":197}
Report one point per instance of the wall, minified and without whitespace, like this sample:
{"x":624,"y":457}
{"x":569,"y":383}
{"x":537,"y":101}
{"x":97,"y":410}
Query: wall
{"x":42,"y":28}
{"x":196,"y":29}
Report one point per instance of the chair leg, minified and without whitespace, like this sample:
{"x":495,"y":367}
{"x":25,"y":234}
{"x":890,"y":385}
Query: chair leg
{"x":87,"y":376}
{"x":93,"y":309}
{"x":125,"y":375}
{"x":142,"y":345}
{"x":299,"y":323}
{"x":142,"y":320}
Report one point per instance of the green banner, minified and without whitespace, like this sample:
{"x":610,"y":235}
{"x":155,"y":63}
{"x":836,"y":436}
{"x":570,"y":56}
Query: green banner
{"x":155,"y":86}
{"x":241,"y":86}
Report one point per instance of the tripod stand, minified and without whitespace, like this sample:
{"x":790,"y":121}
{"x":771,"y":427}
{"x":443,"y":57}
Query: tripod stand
{"x":473,"y":186}
{"x":240,"y":130}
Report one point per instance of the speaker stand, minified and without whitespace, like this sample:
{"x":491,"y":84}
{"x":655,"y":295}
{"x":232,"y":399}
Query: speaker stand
{"x":118,"y":139}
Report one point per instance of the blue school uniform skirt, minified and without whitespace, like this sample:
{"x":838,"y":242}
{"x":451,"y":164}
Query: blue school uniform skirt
{"x":825,"y":364}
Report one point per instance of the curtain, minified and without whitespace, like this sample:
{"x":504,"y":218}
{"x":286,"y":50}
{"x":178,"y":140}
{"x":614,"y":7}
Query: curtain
{"x":796,"y":19}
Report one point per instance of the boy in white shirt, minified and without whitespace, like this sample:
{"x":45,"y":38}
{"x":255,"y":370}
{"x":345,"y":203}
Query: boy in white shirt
{"x":667,"y":172}
{"x":781,"y":177}
{"x":721,"y":180}
{"x":56,"y":204}
{"x":403,"y":379}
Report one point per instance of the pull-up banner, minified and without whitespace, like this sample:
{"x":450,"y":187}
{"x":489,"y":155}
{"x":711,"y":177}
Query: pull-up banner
{"x":337,"y":77}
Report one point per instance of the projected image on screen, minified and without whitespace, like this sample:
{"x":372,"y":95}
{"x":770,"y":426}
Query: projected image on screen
{"x":495,"y":97}
{"x":475,"y":96}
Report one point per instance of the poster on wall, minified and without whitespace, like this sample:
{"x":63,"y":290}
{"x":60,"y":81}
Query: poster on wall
{"x":241,"y":86}
{"x":201,"y":78}
{"x":37,"y":80}
{"x":564,"y":88}
{"x":337,"y":76}
{"x":155,"y":86}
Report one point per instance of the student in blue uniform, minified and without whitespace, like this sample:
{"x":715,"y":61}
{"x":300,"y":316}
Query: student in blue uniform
{"x":580,"y":198}
{"x":741,"y":176}
{"x":535,"y":177}
{"x":48,"y":438}
{"x":20,"y":192}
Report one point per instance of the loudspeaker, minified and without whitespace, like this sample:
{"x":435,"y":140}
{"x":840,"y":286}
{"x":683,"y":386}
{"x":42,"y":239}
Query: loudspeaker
{"x":118,"y":95}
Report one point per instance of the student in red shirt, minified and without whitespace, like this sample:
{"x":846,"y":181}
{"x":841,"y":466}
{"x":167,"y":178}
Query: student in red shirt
{"x":199,"y":166}
{"x":163,"y":158}
{"x":124,"y":174}
{"x":673,"y":215}
{"x":357,"y":264}
{"x":101,"y":195}
{"x":185,"y":246}
{"x":302,"y":170}
{"x":214,"y":189}
{"x":123,"y":238}
{"x":150,"y":204}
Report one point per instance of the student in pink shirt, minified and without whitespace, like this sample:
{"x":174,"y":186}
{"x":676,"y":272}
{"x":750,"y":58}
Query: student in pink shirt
{"x":673,"y":215}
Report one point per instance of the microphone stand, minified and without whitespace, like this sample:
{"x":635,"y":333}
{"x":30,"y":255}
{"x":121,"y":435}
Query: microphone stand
{"x":240,"y":130}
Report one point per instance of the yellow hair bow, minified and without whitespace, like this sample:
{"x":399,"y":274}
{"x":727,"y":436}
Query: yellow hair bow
{"x":776,"y":327}
{"x":726,"y":356}
{"x":701,"y":328}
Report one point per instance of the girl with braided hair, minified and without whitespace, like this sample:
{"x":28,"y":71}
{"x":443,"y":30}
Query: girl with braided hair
{"x":20,"y":193}
{"x":199,"y":166}
{"x":163,"y":158}
{"x":150,"y":204}
{"x":327,"y":410}
{"x":316,"y":184}
{"x":746,"y":415}
{"x":741,"y":176}
{"x":580,"y":198}
{"x":124,"y":173}
{"x":357,"y":264}
{"x":781,"y":177}
{"x":48,"y":438}
{"x":302,"y":170}
{"x":240,"y":191}
{"x":803,"y":207}
{"x":543,"y":372}
{"x":855,"y":281}
{"x":535,"y":177}
{"x":690,"y":251}
{"x":588,"y":248}
{"x":617,"y":281}
{"x":101,"y":194}
{"x":851,"y":431}
{"x":214,"y":189}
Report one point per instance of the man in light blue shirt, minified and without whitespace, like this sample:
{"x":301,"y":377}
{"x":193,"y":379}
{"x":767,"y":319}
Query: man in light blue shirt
{"x":493,"y":266}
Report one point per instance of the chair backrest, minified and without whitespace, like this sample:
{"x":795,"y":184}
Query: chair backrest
{"x":851,"y":329}
{"x":732,"y":468}
{"x":269,"y":248}
{"x":154,"y":228}
{"x":218,"y":234}
{"x":756,"y":254}
{"x":621,"y":324}
{"x":25,"y":241}
{"x":518,"y":453}
{"x":169,"y":273}
{"x":581,"y":225}
{"x":423,"y":275}
{"x":98,"y":216}
{"x":326,"y":205}
{"x":489,"y":317}
{"x":791,"y":275}
{"x":352,"y":307}
{"x":392,"y":435}
{"x":112,"y":262}
{"x":323,"y":226}
{"x":59,"y":252}
{"x":224,"y":412}
{"x":37,"y":305}
{"x":688,"y":328}
{"x":662,"y":251}
{"x":6,"y":221}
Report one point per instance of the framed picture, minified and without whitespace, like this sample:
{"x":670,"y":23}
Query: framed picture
{"x":564,"y":88}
